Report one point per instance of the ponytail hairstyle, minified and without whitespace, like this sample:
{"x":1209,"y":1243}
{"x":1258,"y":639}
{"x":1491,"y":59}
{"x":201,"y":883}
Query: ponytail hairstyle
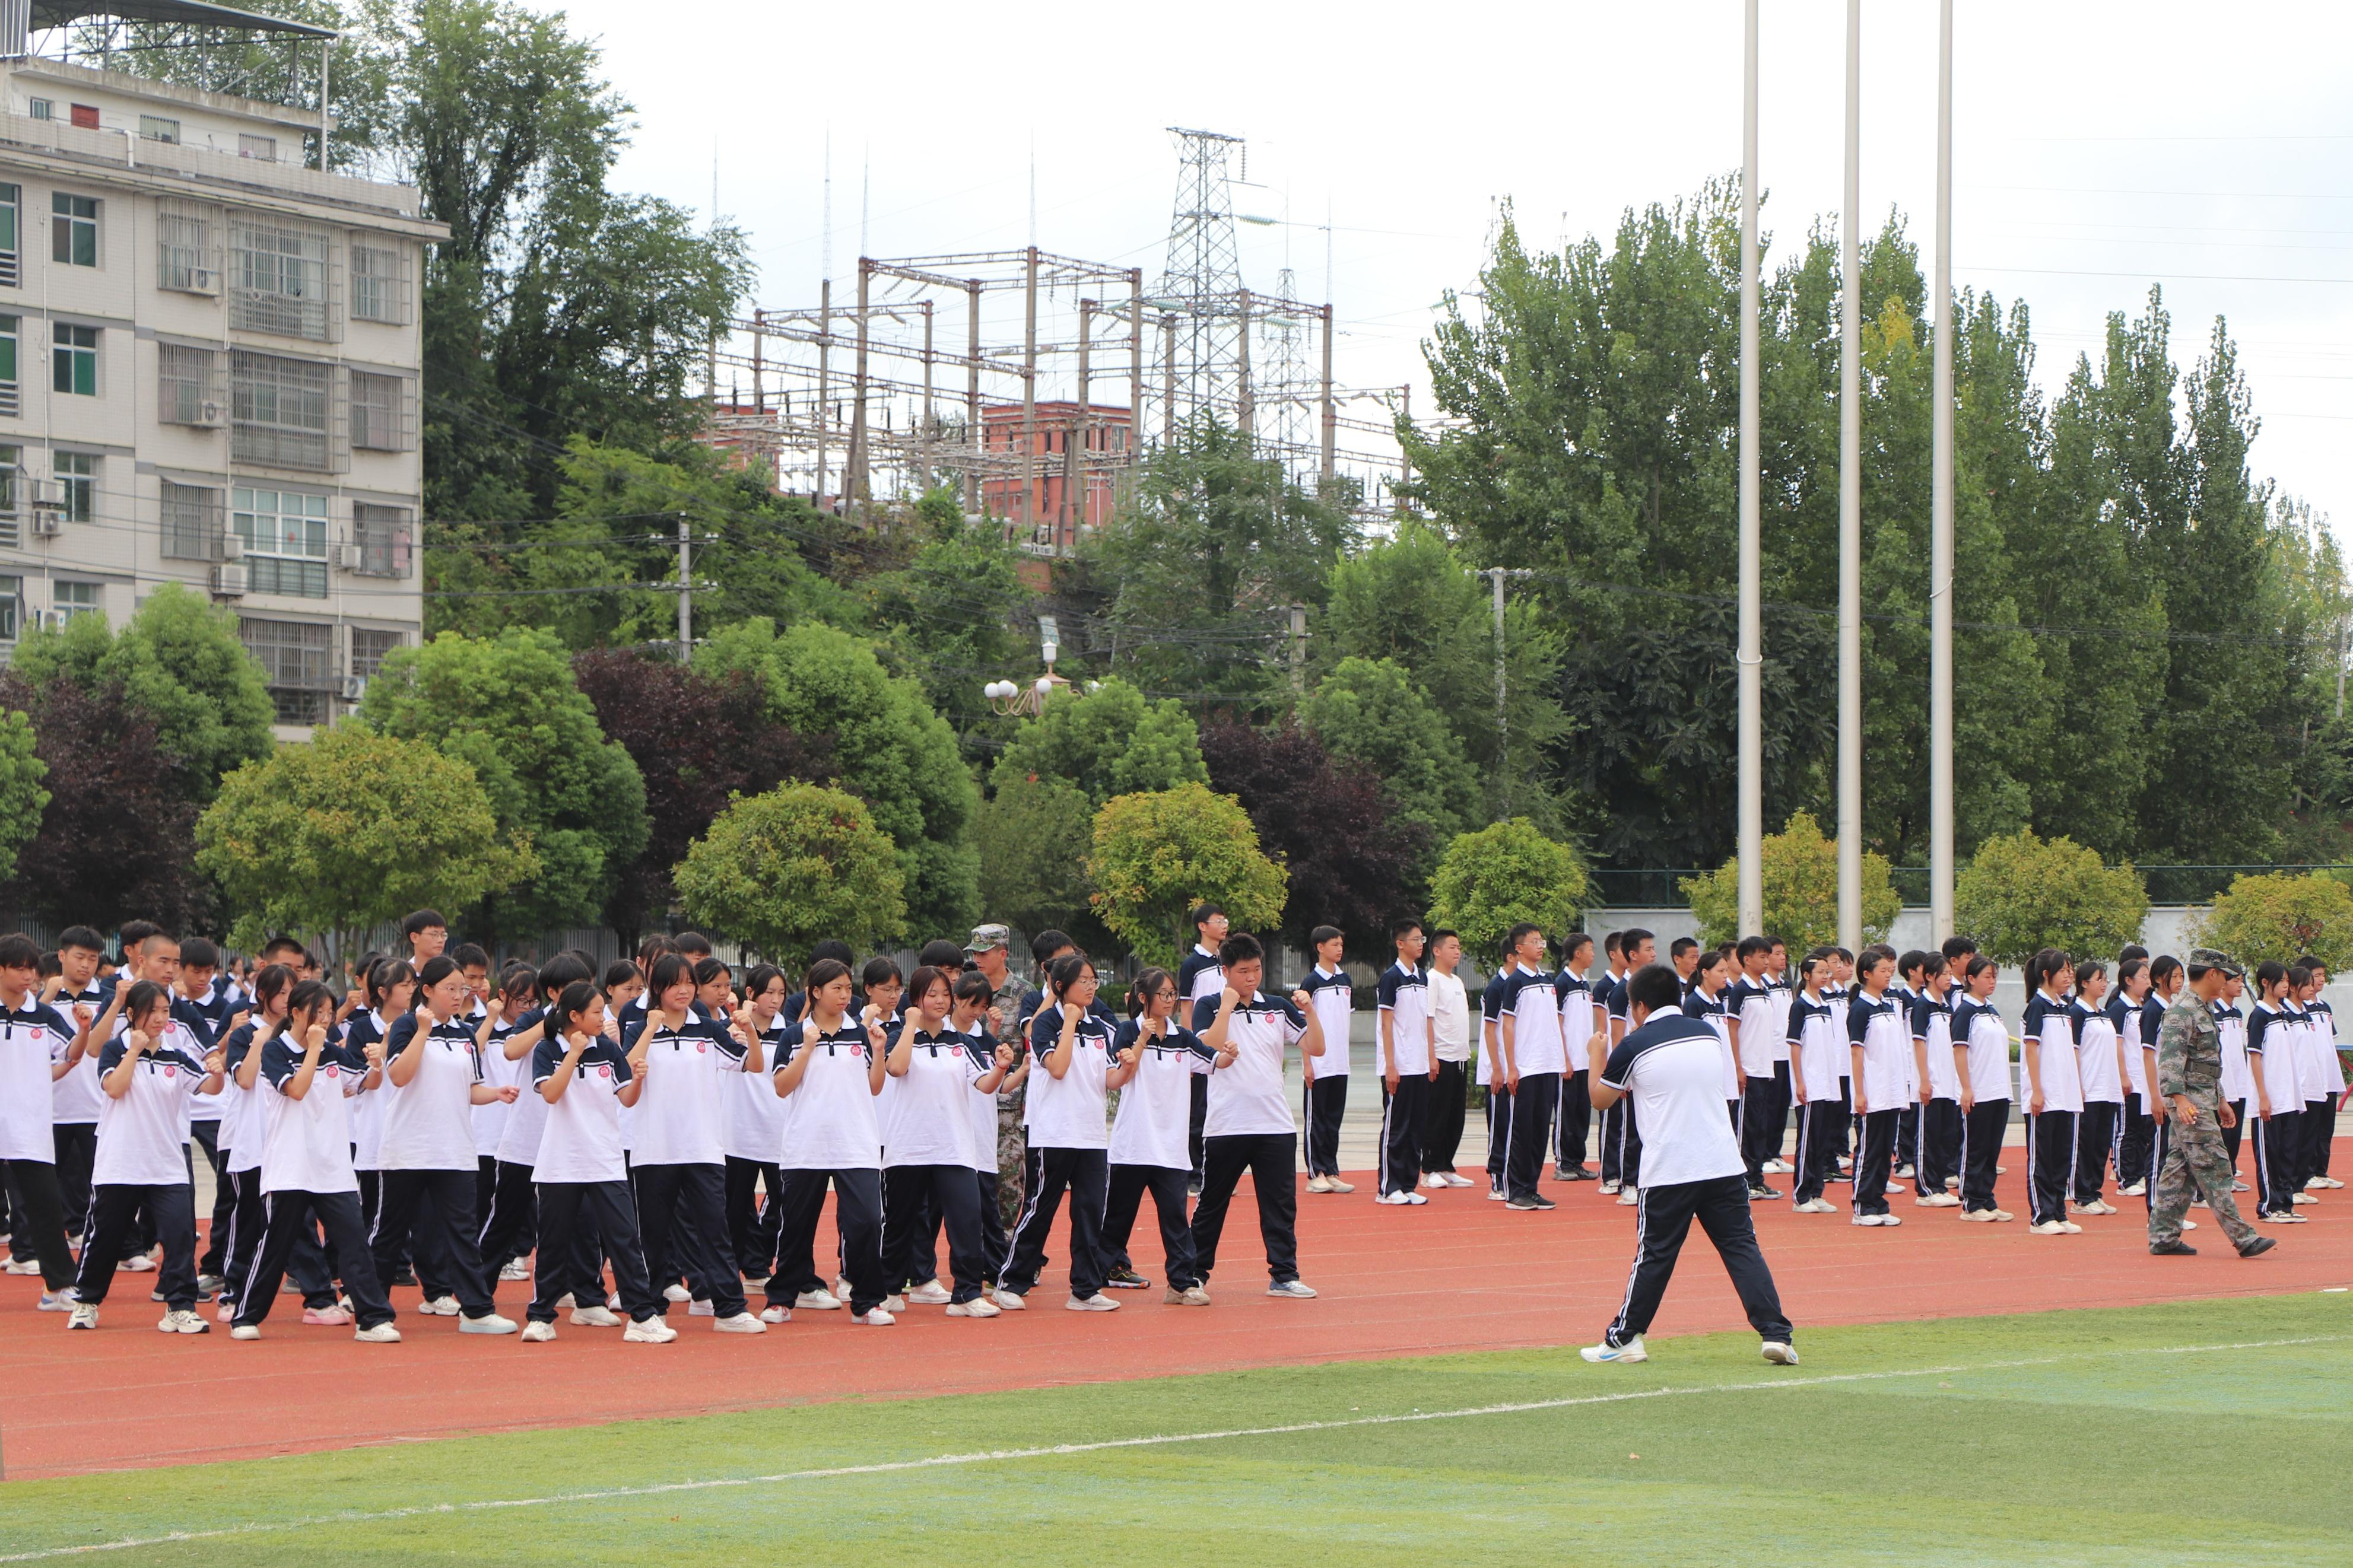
{"x":2268,"y":975}
{"x":707,"y":970}
{"x":1063,"y":974}
{"x":1932,"y":964}
{"x":1140,"y":995}
{"x":2163,"y":967}
{"x":1806,"y":967}
{"x":921,"y":983}
{"x":2086,"y":972}
{"x":972,"y":985}
{"x":670,"y":969}
{"x":268,"y":984}
{"x":1978,"y":964}
{"x":822,"y":973}
{"x":2298,"y":977}
{"x":1709,"y":960}
{"x":387,"y":974}
{"x":307,"y":998}
{"x":578,"y":996}
{"x":141,"y":1001}
{"x":762,"y":976}
{"x":2127,"y":968}
{"x":437,"y":968}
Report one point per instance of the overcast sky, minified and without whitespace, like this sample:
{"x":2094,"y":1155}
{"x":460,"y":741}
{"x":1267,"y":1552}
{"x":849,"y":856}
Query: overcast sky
{"x":2101,"y":145}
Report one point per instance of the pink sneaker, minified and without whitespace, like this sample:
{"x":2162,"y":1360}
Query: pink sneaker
{"x":326,"y":1317}
{"x":227,"y":1313}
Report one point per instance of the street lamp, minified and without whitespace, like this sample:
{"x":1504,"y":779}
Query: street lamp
{"x":1009,"y":697}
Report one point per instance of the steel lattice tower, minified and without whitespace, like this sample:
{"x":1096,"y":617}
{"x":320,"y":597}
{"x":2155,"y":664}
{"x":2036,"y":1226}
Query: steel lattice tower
{"x":1203,"y":282}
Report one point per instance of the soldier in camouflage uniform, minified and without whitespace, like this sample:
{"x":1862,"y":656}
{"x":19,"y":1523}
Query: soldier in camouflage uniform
{"x":2189,"y":1071}
{"x":988,"y":949}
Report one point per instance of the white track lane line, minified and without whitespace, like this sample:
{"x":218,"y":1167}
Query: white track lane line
{"x":1002,"y":1456}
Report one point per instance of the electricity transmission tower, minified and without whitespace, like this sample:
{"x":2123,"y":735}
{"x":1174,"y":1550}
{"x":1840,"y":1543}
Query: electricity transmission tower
{"x":1202,"y":288}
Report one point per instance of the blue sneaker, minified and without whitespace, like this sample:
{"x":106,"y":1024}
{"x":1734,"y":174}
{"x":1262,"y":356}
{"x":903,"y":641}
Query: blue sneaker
{"x":1630,"y":1350}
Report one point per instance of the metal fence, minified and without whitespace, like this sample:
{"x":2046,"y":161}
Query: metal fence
{"x":1662,"y":886}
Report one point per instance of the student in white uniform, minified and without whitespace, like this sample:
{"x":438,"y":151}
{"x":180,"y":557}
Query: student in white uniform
{"x":75,"y":1098}
{"x":1249,"y":1126}
{"x":1816,"y":1043}
{"x":752,"y":1130}
{"x":584,"y":1078}
{"x":432,"y":1080}
{"x":2100,"y":1067}
{"x":1981,"y":1059}
{"x":308,"y":1082}
{"x":38,"y":1048}
{"x":498,"y":1019}
{"x":975,"y":995}
{"x":1450,"y":1029}
{"x":245,"y":1134}
{"x":832,"y":1070}
{"x":1573,"y":1124}
{"x":1069,"y":1047}
{"x":2278,"y":1096}
{"x":1879,"y":1043}
{"x":927,"y":1129}
{"x":149,"y":1073}
{"x":2055,"y":1093}
{"x":2237,"y":1084}
{"x":389,"y":993}
{"x":1690,"y":1170}
{"x":1325,"y":1080}
{"x":1527,"y":1026}
{"x":1937,"y":1146}
{"x":1704,"y":999}
{"x":677,"y":1170}
{"x":1407,"y":1058}
{"x":2326,"y":1085}
{"x":510,"y":1224}
{"x":1199,"y":978}
{"x":2132,"y":1010}
{"x":1146,"y":1144}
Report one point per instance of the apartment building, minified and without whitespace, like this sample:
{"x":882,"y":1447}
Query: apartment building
{"x":210,"y":358}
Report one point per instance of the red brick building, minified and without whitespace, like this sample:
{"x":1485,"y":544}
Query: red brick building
{"x":1056,"y":512}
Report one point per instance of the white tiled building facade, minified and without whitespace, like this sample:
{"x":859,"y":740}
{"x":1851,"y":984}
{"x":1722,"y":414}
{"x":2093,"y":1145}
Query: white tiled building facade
{"x":208,"y":374}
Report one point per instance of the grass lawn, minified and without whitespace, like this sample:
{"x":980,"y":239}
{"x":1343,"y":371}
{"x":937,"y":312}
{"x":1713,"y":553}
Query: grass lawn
{"x":2208,"y":1433}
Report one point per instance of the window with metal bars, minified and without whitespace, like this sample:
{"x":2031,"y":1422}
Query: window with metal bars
{"x":11,"y":260}
{"x":280,"y":280}
{"x":187,"y":256}
{"x":187,"y":388}
{"x":297,"y":660}
{"x":369,"y":645}
{"x":285,"y":537}
{"x":380,"y":284}
{"x":382,"y":420}
{"x":194,"y":524}
{"x":385,"y":538}
{"x":281,"y":411}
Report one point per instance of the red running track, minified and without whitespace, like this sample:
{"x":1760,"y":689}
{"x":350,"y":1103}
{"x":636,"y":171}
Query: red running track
{"x":1459,"y":1274}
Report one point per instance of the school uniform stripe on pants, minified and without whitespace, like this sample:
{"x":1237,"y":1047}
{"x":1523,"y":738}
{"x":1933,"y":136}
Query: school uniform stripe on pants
{"x":1033,"y":1171}
{"x":1642,"y":1228}
{"x":1388,"y":1104}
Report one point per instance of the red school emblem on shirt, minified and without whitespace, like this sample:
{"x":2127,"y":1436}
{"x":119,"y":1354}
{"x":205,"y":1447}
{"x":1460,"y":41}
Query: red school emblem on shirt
{"x":332,"y":1071}
{"x":700,"y":1047}
{"x":604,"y":1072}
{"x":170,"y":1071}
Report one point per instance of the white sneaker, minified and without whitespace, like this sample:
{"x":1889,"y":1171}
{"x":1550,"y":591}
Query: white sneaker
{"x":1400,"y":1200}
{"x":59,"y":1300}
{"x":894,"y":1303}
{"x":2003,"y":1217}
{"x":1338,"y":1186}
{"x":144,"y":1263}
{"x":1319,"y":1184}
{"x":775,"y":1314}
{"x":536,"y":1332}
{"x":2302,"y":1198}
{"x":1779,"y":1353}
{"x":2189,"y":1224}
{"x":2136,"y":1190}
{"x":741,"y":1324}
{"x":1448,"y":1178}
{"x":1297,"y":1290}
{"x":246,"y":1332}
{"x":1008,"y":1301}
{"x":875,"y":1318}
{"x":516,"y":1268}
{"x":1891,"y":1219}
{"x":930,"y":1293}
{"x":2071,"y":1227}
{"x":1937,"y":1201}
{"x":1628,"y":1197}
{"x":1495,"y":1194}
{"x":1869,"y":1219}
{"x":226,"y":1312}
{"x":1609,"y":1188}
{"x":1978,"y":1216}
{"x":183,"y":1322}
{"x":1095,"y":1303}
{"x":565,"y":1300}
{"x":440,"y":1307}
{"x":841,"y":1287}
{"x":1433,"y":1180}
{"x":1631,"y":1351}
{"x":2048,"y":1228}
{"x":23,"y":1264}
{"x":978,"y":1307}
{"x":818,"y":1302}
{"x":490,"y":1324}
{"x":382,"y":1334}
{"x":652,"y":1332}
{"x":698,"y":1309}
{"x":594,"y":1318}
{"x":1775,"y":1168}
{"x":84,"y":1316}
{"x":674,"y":1294}
{"x":1415,"y":1198}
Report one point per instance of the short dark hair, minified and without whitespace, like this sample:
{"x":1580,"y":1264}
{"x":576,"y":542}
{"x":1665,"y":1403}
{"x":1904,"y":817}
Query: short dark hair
{"x":2163,"y":964}
{"x":1441,"y":933}
{"x":423,"y":920}
{"x":1404,"y":929}
{"x":670,"y":969}
{"x":86,"y":940}
{"x":653,"y":947}
{"x":1615,"y":941}
{"x":1654,"y":985}
{"x":927,"y":975}
{"x":707,"y":970}
{"x":1959,"y":947}
{"x":18,"y":951}
{"x":195,"y":953}
{"x":1572,"y":945}
{"x":1752,"y":945}
{"x":692,"y":943}
{"x":134,"y":933}
{"x":1681,"y":946}
{"x":1204,"y":912}
{"x":972,"y":985}
{"x":1240,"y":948}
{"x":942,"y":955}
{"x":1322,"y":935}
{"x":1049,"y":942}
{"x":2135,"y":950}
{"x":1627,"y":941}
{"x":823,"y":972}
{"x":2310,"y":962}
{"x":835,"y":949}
{"x":1520,"y":933}
{"x":618,"y":973}
{"x":468,"y":955}
{"x":1911,"y":962}
{"x":879,"y":971}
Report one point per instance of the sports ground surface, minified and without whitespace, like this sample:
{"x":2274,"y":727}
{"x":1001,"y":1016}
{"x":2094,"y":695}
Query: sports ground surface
{"x":1429,"y":1407}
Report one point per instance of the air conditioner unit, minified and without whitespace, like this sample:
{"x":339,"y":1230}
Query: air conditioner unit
{"x":203,"y":281}
{"x":211,"y":414}
{"x":347,"y":557}
{"x":47,"y":523}
{"x":354,"y":688}
{"x":232,"y":547}
{"x":229,"y":581}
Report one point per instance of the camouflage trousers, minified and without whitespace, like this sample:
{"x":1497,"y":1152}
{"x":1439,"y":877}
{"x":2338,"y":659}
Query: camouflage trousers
{"x":1012,"y":1156}
{"x":2194,"y":1162}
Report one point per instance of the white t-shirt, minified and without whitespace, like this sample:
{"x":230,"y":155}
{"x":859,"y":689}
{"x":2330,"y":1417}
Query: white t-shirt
{"x":927,"y":1117}
{"x":2095,"y":1055}
{"x":498,"y":1071}
{"x":581,"y":1139}
{"x":1886,"y":1041}
{"x":142,"y":1135}
{"x":1673,"y":1067}
{"x":2046,"y":1030}
{"x":2271,"y":1051}
{"x":1932,"y":1025}
{"x":1528,"y":1000}
{"x":1710,"y":1011}
{"x":519,"y":1138}
{"x":362,"y":1030}
{"x":1816,"y":1051}
{"x":1247,"y":1098}
{"x":1153,"y":1123}
{"x":752,"y":1115}
{"x":2321,"y":1075}
{"x":983,"y":1107}
{"x":2238,"y":1079}
{"x":307,"y":1142}
{"x":1070,"y":1111}
{"x":242,"y":1125}
{"x":1576,"y":998}
{"x":1988,"y":1038}
{"x":34,"y":1039}
{"x":1333,"y":998}
{"x":1449,"y":1016}
{"x":1752,"y":1006}
{"x":427,"y":1124}
{"x":687,"y":1070}
{"x":832,"y":1124}
{"x":1404,"y":1000}
{"x":76,"y":1099}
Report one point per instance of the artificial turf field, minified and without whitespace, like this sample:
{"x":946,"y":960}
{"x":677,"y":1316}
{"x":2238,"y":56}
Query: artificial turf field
{"x":2202,"y":1432}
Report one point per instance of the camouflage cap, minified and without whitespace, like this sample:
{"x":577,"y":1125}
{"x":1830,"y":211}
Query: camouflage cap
{"x":2213,"y":958}
{"x":988,"y":938}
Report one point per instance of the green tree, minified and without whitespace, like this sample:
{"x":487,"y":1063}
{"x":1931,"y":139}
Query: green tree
{"x":22,"y":797}
{"x":1034,"y":836}
{"x":1801,"y":891}
{"x":179,"y":660}
{"x":784,"y":870}
{"x":1505,"y":873}
{"x":888,"y":749}
{"x":1156,"y":854}
{"x":354,"y":829}
{"x":509,"y":706}
{"x":1107,"y":741}
{"x":1411,"y":598}
{"x":951,"y":612}
{"x":1369,"y":712}
{"x":2279,"y":917}
{"x":2020,"y":893}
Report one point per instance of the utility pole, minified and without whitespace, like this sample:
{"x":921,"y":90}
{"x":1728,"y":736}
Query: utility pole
{"x":1751,"y":652}
{"x":824,"y":406}
{"x":1298,"y":652}
{"x":854,"y":487}
{"x":1029,"y":394}
{"x":1502,"y":723}
{"x":1850,"y":617}
{"x":685,"y":591}
{"x":1940,"y":515}
{"x":972,"y":432}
